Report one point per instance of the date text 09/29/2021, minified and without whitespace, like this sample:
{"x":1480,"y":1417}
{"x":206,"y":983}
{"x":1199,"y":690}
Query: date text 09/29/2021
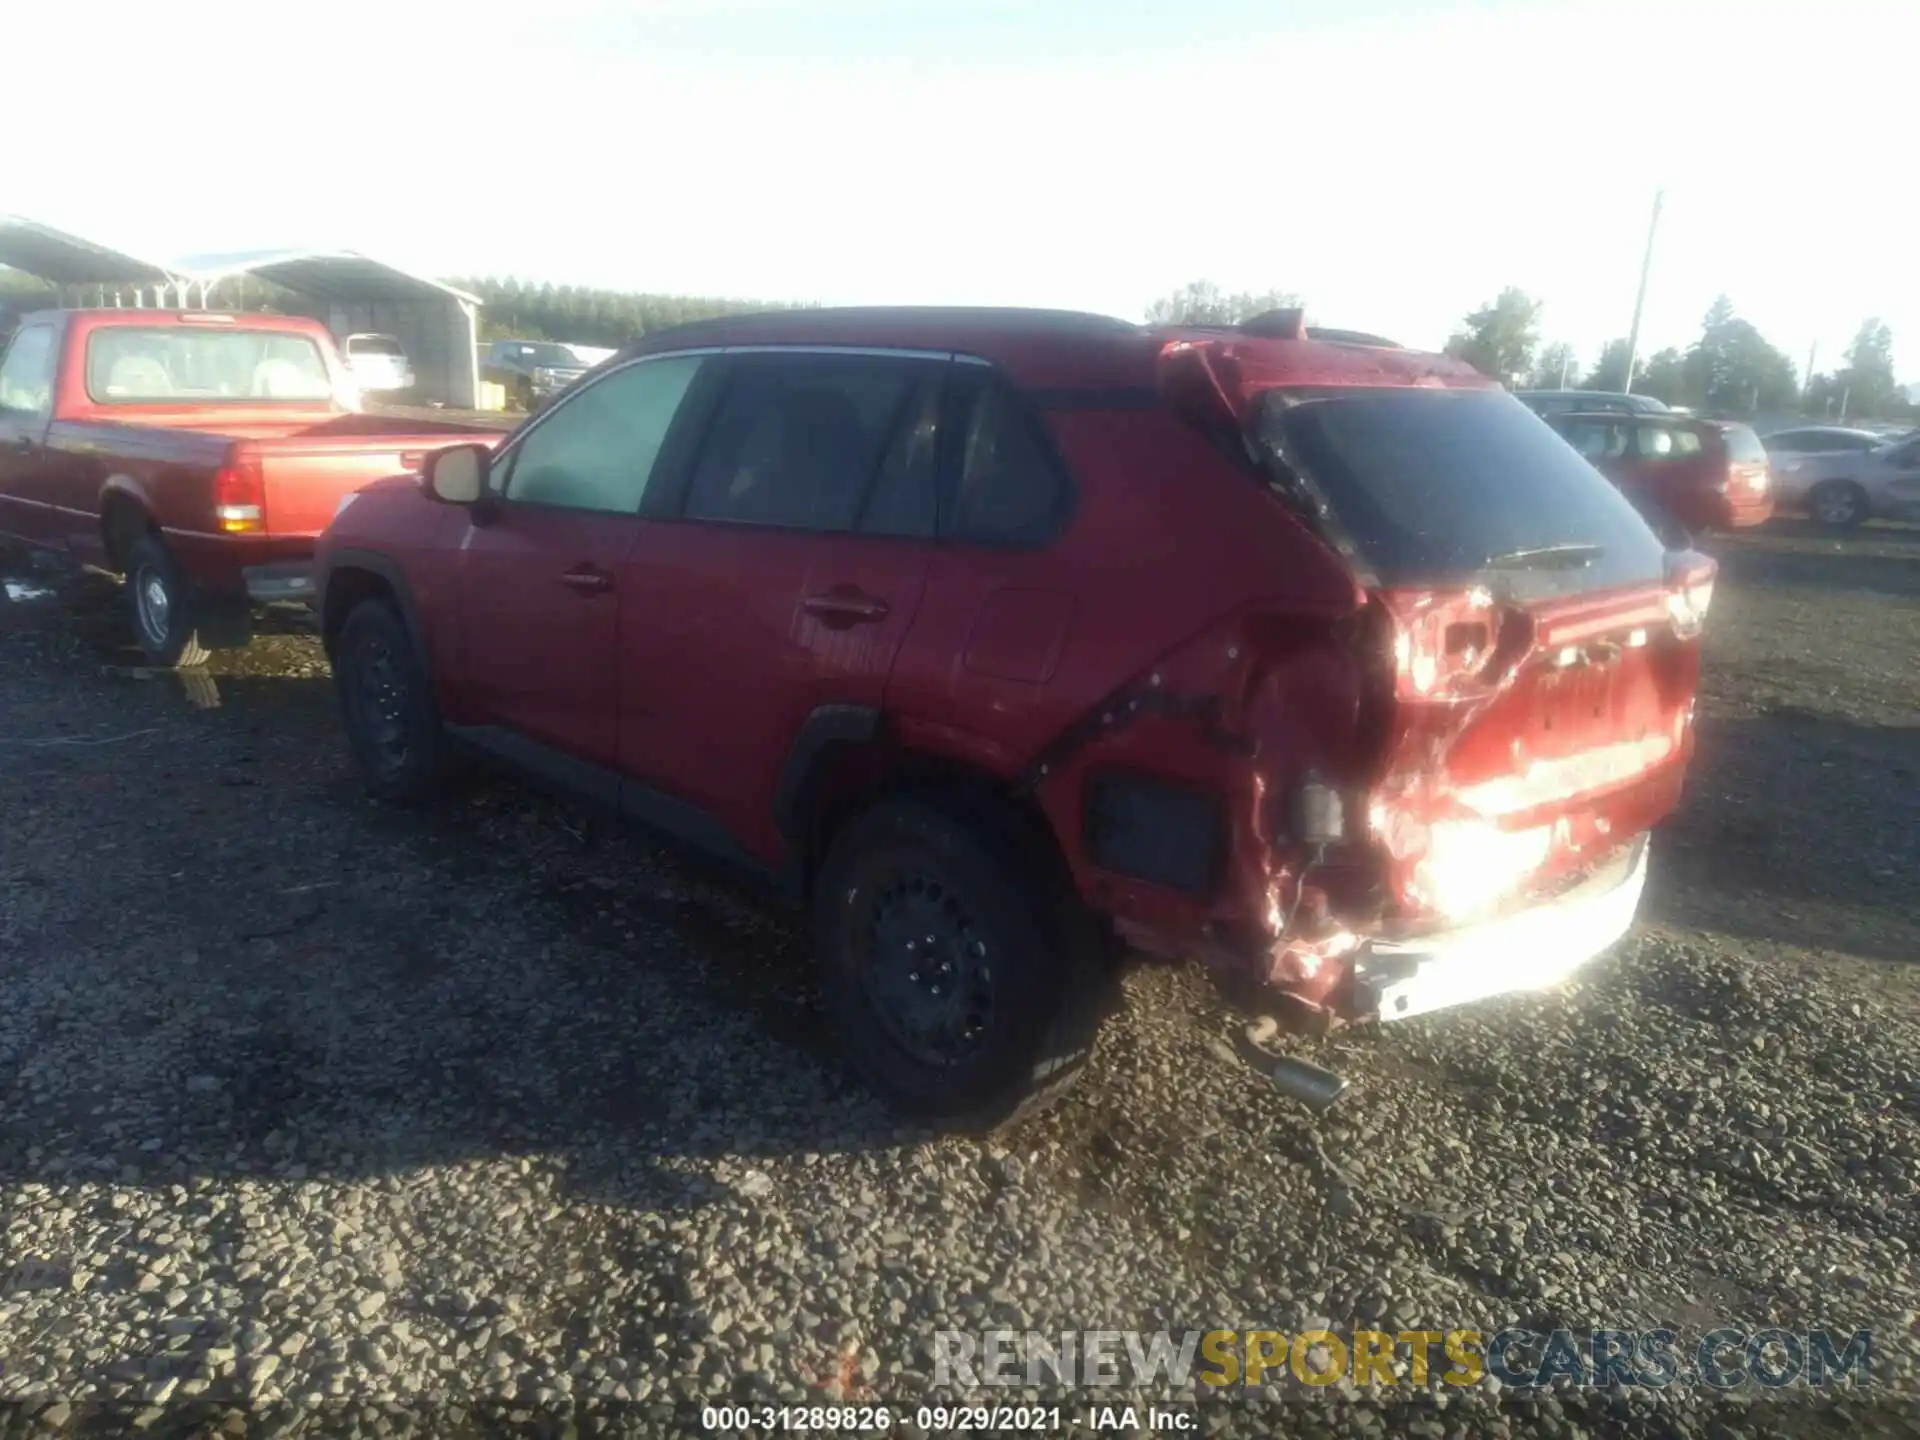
{"x":948,"y":1419}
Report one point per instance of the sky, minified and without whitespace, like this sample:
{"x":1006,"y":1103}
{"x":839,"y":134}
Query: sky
{"x":1396,"y":164}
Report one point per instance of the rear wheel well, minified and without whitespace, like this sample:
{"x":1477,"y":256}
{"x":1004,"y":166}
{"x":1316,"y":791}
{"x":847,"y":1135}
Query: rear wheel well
{"x":347,"y":587}
{"x":123,"y":521}
{"x":850,"y":777}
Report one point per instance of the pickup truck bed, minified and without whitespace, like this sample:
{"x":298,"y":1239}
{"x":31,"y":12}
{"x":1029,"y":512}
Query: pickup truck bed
{"x":207,"y":502}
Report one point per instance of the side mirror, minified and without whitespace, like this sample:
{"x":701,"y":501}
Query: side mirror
{"x":457,"y":475}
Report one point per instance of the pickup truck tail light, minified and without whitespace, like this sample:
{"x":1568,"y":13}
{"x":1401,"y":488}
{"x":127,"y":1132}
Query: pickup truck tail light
{"x":239,"y":494}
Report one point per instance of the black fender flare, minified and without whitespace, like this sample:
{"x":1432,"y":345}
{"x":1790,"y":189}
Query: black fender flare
{"x":389,"y":570}
{"x":827,"y":725}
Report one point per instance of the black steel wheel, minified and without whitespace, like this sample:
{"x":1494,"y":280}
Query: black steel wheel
{"x":959,"y":974}
{"x":386,"y":698}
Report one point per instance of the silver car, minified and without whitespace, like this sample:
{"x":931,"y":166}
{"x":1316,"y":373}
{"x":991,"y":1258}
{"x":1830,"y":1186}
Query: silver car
{"x":1845,"y":487}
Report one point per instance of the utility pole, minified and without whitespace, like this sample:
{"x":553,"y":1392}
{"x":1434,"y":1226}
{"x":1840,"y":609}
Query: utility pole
{"x":1566,"y":366}
{"x":1640,"y":300}
{"x":1806,"y":386}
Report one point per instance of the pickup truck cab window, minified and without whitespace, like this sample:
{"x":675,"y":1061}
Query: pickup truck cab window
{"x":129,"y":365}
{"x":596,"y":449}
{"x":26,"y":375}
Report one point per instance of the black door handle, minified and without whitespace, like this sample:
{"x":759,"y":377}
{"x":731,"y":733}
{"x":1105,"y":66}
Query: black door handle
{"x":588,"y":580}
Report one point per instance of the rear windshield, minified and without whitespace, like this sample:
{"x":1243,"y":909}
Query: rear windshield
{"x":129,"y":366}
{"x":1437,"y":486}
{"x":553,"y":356}
{"x":376,"y":345}
{"x":1743,"y":445}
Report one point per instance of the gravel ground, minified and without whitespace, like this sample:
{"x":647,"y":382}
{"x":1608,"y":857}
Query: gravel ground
{"x":316,"y":1114}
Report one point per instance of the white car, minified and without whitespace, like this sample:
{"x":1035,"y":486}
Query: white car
{"x":1843,"y":488}
{"x":378,"y":363}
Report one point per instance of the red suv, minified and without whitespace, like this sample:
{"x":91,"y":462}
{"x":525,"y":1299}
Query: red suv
{"x":1016,"y":640}
{"x":1707,"y":474}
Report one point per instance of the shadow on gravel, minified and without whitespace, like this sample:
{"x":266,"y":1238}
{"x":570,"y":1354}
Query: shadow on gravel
{"x":1798,"y":827}
{"x":226,"y":962}
{"x":1878,"y":533}
{"x":1851,"y":569}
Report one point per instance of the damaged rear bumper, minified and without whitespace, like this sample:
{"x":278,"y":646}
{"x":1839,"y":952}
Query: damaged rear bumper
{"x":1531,"y":949}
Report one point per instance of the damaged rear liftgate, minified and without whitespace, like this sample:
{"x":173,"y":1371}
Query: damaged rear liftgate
{"x":1439,"y":796}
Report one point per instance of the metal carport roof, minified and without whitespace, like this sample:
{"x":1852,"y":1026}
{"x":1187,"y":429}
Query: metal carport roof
{"x":334,"y":275}
{"x":66,"y":259}
{"x":323,"y":274}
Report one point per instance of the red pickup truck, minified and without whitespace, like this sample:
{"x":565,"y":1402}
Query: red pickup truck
{"x":198,"y":453}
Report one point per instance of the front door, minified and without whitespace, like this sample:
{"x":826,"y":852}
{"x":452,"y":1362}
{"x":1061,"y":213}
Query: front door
{"x":539,"y":565}
{"x":787,"y":580}
{"x":26,"y":408}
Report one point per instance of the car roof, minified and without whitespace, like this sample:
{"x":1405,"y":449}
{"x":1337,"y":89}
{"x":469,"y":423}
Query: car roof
{"x":1068,"y":349}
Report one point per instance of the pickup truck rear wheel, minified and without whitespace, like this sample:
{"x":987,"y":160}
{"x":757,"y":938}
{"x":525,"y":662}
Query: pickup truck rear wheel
{"x":164,"y":609}
{"x":387,"y":699}
{"x":962,"y":991}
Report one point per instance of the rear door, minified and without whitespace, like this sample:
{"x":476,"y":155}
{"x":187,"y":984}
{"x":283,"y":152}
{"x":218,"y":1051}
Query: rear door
{"x":26,"y":410}
{"x":1671,"y":466}
{"x":1478,"y":532}
{"x":539,"y":568}
{"x":787,"y":579}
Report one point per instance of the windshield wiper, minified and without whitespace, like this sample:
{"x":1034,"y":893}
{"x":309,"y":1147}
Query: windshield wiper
{"x":1545,"y":557}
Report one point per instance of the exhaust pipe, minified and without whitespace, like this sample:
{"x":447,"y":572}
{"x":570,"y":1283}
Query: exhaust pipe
{"x":1314,"y":1086}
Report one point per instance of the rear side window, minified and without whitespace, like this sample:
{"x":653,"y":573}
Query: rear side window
{"x":26,"y":375}
{"x":1005,"y":485}
{"x":1433,"y":486}
{"x":1664,"y":442}
{"x":1743,"y":445}
{"x":799,"y":440}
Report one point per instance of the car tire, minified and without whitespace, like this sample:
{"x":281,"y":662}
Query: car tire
{"x":1838,"y":504}
{"x":1026,"y":983}
{"x":386,"y":699}
{"x":166,"y":612}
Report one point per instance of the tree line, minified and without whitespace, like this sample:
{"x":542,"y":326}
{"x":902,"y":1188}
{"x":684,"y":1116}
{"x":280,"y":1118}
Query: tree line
{"x":1731,"y":370}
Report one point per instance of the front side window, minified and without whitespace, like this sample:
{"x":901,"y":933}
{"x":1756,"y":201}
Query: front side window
{"x":1597,"y":440}
{"x":596,"y":450}
{"x":798,"y":442}
{"x":140,"y":366}
{"x":26,"y":375}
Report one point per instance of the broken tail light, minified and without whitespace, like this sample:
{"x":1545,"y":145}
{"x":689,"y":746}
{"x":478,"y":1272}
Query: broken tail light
{"x":1690,"y":578}
{"x":239,"y":494}
{"x":1448,"y":644}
